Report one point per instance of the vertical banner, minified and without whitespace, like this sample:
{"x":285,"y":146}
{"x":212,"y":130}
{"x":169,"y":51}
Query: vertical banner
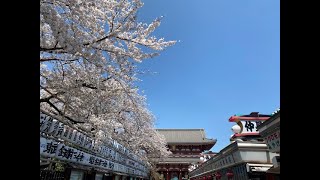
{"x":88,"y":143}
{"x":43,"y":144}
{"x":66,"y":132}
{"x":74,"y":137}
{"x":80,"y":139}
{"x":59,"y":132}
{"x":54,"y":127}
{"x":71,"y":134}
{"x":44,"y":122}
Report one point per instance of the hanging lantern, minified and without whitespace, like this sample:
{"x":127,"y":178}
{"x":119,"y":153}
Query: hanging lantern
{"x":209,"y":177}
{"x":218,"y":175}
{"x":229,"y":174}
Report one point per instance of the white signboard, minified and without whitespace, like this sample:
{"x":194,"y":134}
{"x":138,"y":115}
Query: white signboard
{"x":228,"y":160}
{"x":52,"y":148}
{"x":250,"y":126}
{"x":69,"y":154}
{"x":48,"y":147}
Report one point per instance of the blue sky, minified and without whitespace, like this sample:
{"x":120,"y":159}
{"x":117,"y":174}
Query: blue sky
{"x":227,"y":62}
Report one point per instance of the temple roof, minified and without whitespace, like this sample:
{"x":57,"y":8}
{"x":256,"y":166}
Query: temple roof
{"x":179,"y":160}
{"x":187,"y":136}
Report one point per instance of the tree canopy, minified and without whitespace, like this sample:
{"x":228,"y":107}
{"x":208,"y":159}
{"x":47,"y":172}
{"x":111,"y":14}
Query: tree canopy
{"x":89,"y":51}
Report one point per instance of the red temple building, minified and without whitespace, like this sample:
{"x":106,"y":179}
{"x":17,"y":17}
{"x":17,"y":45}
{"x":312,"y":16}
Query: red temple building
{"x":189,"y":147}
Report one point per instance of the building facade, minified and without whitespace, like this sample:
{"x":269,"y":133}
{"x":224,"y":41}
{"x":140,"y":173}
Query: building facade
{"x":247,"y":157}
{"x":237,"y":161}
{"x":188,"y":147}
{"x":82,"y":158}
{"x":270,"y":132}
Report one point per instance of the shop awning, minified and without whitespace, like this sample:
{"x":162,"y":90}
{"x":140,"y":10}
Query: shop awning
{"x":258,"y":167}
{"x":121,"y":174}
{"x":79,"y":166}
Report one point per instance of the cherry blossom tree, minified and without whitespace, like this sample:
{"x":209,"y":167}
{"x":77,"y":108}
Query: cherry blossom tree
{"x":89,"y":51}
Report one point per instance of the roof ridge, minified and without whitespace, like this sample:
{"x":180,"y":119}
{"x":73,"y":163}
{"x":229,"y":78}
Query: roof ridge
{"x":198,"y":129}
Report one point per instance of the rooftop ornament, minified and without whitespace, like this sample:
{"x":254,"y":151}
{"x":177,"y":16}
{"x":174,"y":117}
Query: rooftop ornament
{"x":236,"y":129}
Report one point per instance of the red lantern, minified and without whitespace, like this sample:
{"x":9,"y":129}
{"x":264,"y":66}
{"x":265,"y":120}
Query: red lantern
{"x":230,"y":174}
{"x":209,"y":177}
{"x":218,"y":175}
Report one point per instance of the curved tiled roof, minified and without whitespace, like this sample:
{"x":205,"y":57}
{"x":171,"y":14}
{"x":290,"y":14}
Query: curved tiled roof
{"x":186,"y":136}
{"x":180,"y":160}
